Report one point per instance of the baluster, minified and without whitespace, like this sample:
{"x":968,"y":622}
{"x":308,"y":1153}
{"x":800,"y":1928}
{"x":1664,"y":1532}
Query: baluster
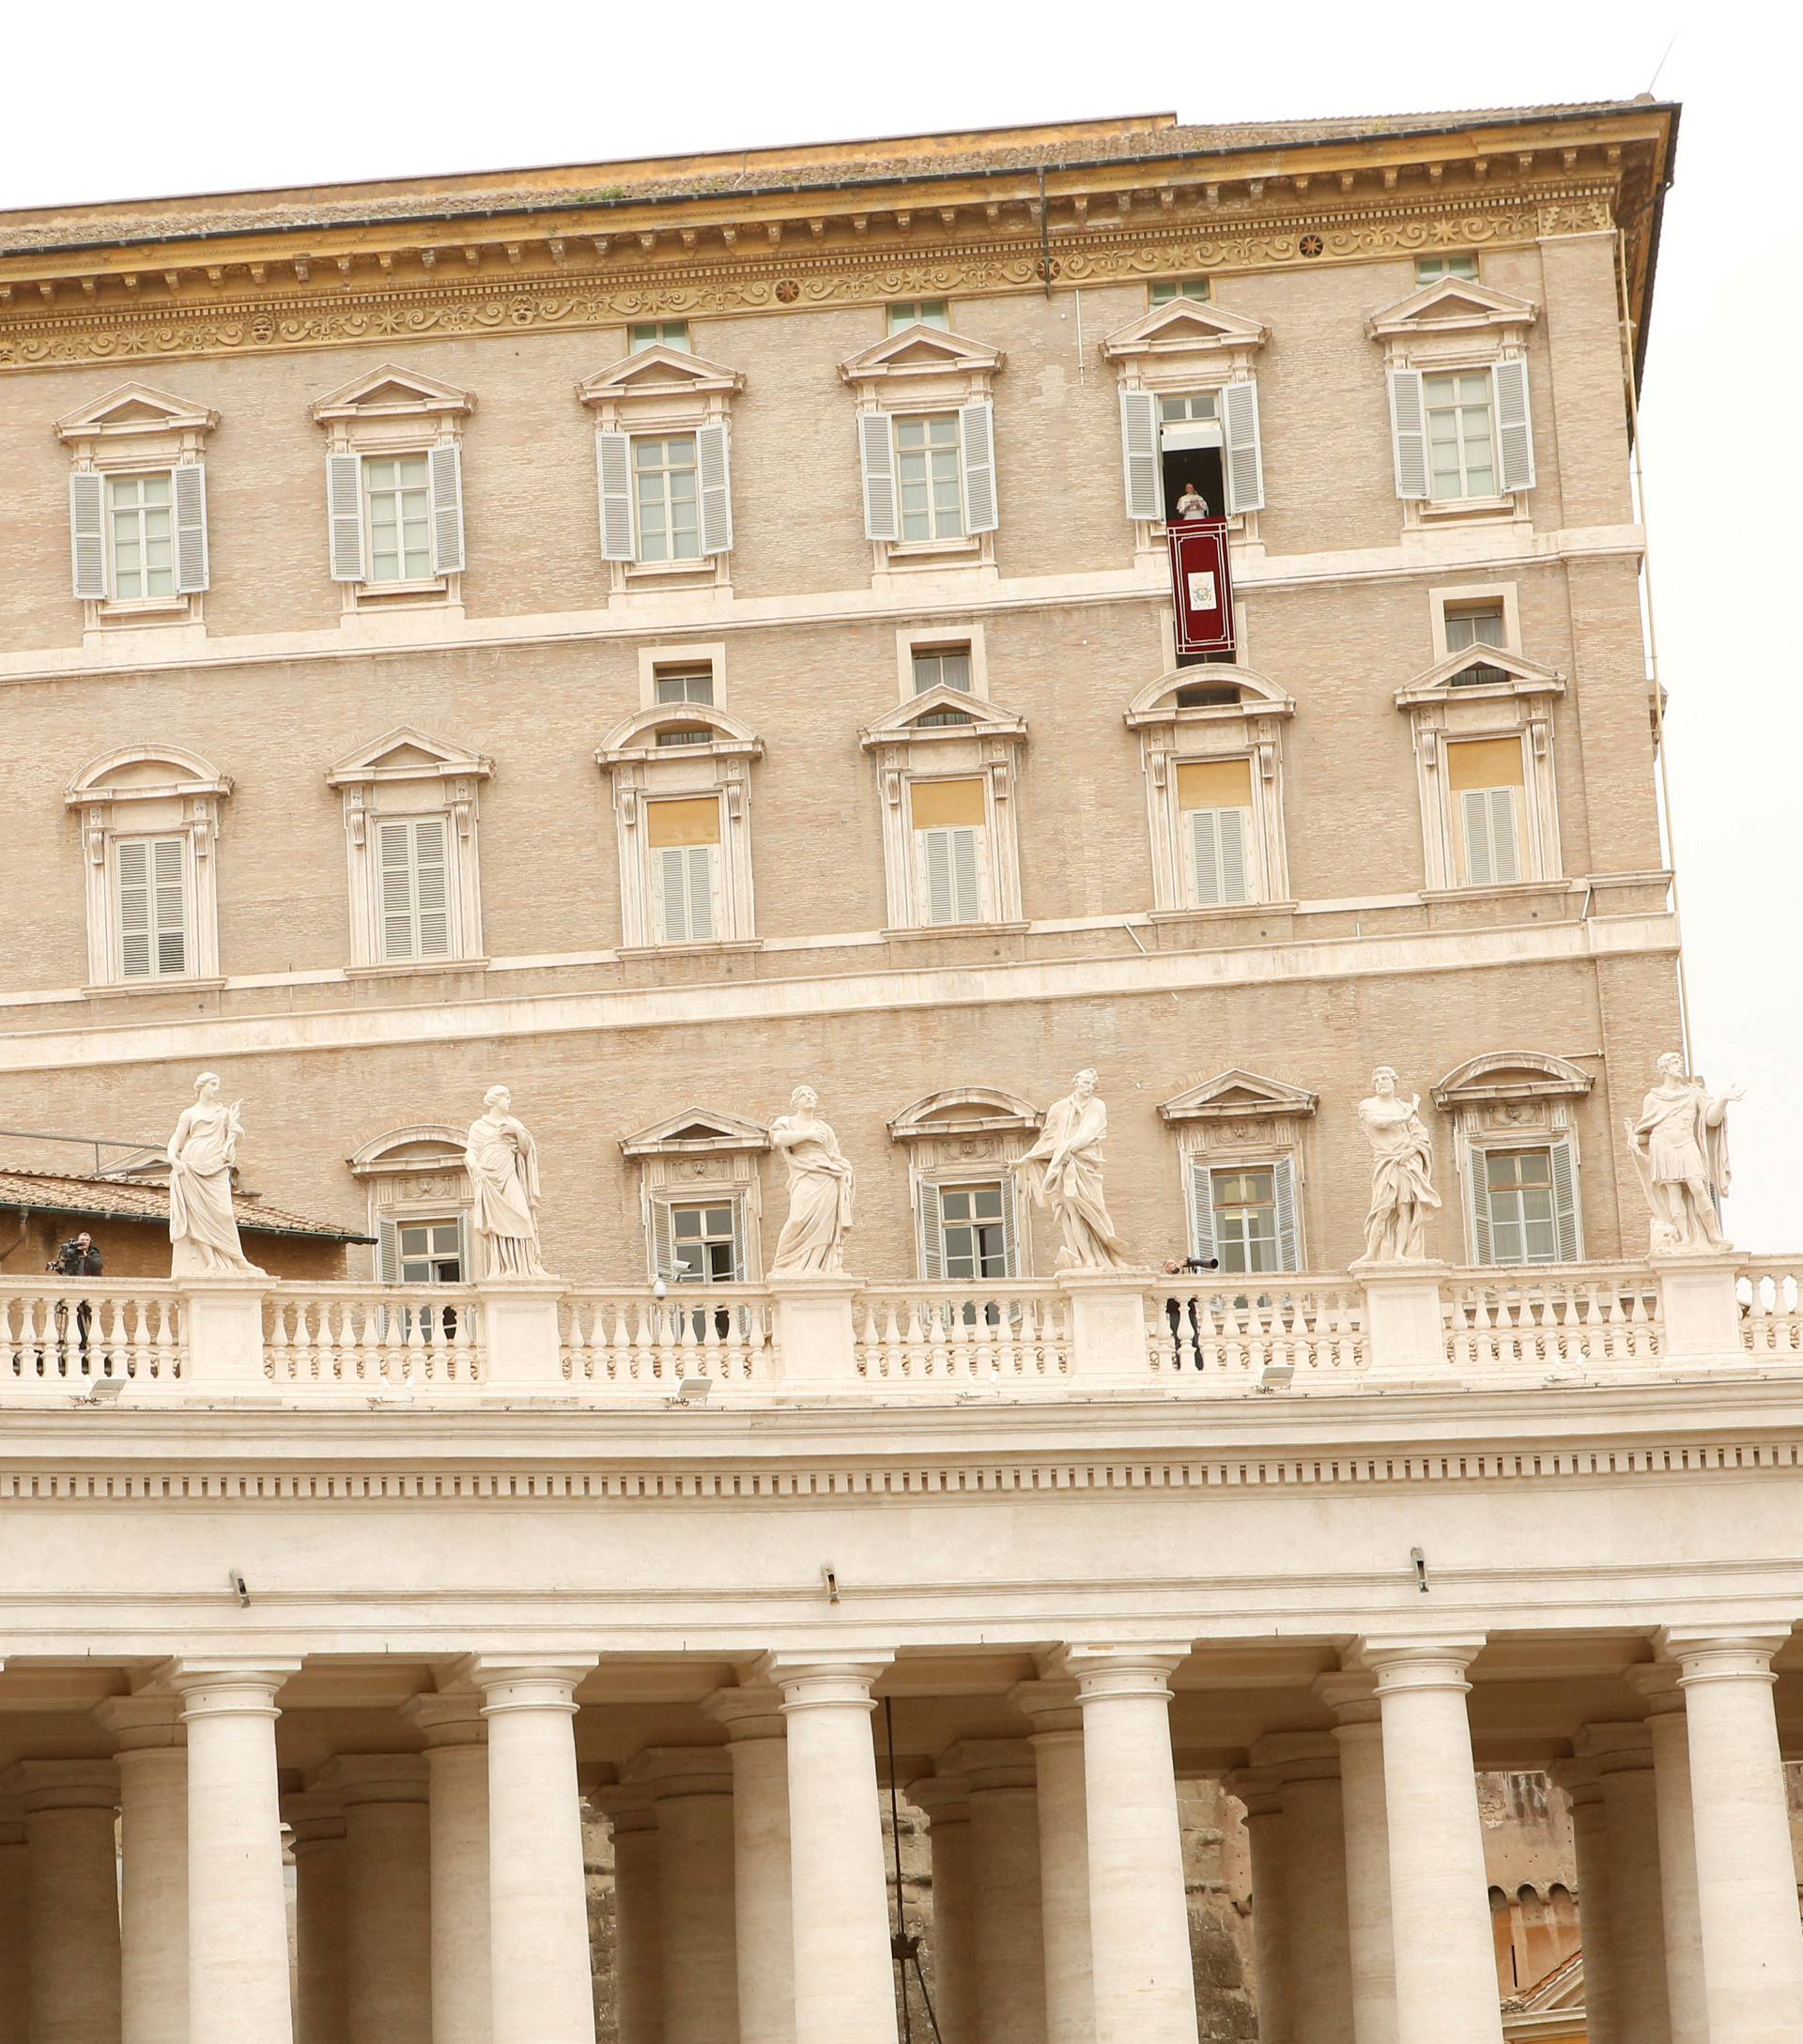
{"x":275,"y":1345}
{"x":463,"y":1343}
{"x":892,"y":1322}
{"x":617,"y":1360}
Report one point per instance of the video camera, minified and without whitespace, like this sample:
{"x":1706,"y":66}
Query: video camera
{"x":69,"y":1259}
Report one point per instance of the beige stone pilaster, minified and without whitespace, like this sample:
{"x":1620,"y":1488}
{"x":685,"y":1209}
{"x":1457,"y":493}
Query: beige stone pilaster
{"x":456,"y":1764}
{"x":1003,"y":1789}
{"x":388,"y":1893}
{"x":691,"y":1796}
{"x":1056,"y":1739}
{"x":237,"y":1913}
{"x":1446,"y":1962}
{"x":1307,"y":1765}
{"x":1352,"y":1696}
{"x":1657,"y":1684}
{"x":1267,"y":1846}
{"x":637,"y":1914}
{"x":1139,"y":1919}
{"x":1583,"y":1788}
{"x":15,"y":1940}
{"x":1752,"y":1944}
{"x":538,"y":1906}
{"x":764,"y":1932}
{"x":72,"y":1910}
{"x":844,"y":1985}
{"x":946,"y":1800}
{"x":1621,"y":1753}
{"x":321,"y":1979}
{"x":152,"y":1754}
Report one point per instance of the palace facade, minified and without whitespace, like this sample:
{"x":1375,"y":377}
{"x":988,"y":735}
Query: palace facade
{"x":657,"y":634}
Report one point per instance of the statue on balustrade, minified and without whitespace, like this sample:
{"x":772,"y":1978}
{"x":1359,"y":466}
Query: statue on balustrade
{"x":813,"y":1242}
{"x":1064,"y":1169}
{"x":1402,"y":1172}
{"x":503,"y":1161}
{"x":203,"y":1229}
{"x":1679,"y":1147}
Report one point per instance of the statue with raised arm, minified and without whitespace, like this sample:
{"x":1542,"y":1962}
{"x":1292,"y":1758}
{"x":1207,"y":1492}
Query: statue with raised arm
{"x":1402,"y":1172}
{"x":813,"y":1242}
{"x":502,"y":1162}
{"x":1064,"y":1169}
{"x":1679,"y":1147}
{"x":203,"y":1229}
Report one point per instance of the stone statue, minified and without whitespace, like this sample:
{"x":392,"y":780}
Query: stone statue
{"x":503,"y":1161}
{"x":1679,"y":1146}
{"x":1064,"y":1168}
{"x":813,"y":1242}
{"x":1402,"y":1172}
{"x":203,"y":1230}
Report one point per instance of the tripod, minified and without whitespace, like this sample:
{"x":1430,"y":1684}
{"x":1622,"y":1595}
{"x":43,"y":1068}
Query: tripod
{"x":904,"y":1947}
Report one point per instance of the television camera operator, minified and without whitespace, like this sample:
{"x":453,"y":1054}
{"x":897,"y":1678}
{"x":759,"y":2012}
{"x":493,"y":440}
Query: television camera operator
{"x":79,"y":1257}
{"x":1186,"y":1339}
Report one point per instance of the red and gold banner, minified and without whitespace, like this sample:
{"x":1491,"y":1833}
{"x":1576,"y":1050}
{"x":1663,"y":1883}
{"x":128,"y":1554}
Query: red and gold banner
{"x":1201,"y":585}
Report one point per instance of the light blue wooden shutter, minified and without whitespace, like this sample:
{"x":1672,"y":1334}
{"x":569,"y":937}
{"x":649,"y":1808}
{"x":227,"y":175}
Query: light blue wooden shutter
{"x":1219,"y":850}
{"x":1282,"y":1183}
{"x":936,"y":847}
{"x":344,"y":517}
{"x":134,"y":909}
{"x":168,"y":872}
{"x":153,"y":908}
{"x":1567,"y":1220}
{"x":1201,"y":1209}
{"x":1513,"y":427}
{"x":466,"y":1259}
{"x":1204,"y":858}
{"x":966,"y":876}
{"x":663,"y":1250}
{"x":714,"y":468}
{"x":1408,"y":432}
{"x":614,"y":466}
{"x":933,"y":1240}
{"x":977,"y":434}
{"x":432,"y":887}
{"x":876,"y":451}
{"x":388,"y":1252}
{"x":396,"y":881}
{"x":1139,"y":455}
{"x":192,"y":573}
{"x":444,"y":471}
{"x":1477,"y":1179}
{"x":1010,"y":1229}
{"x":88,"y":534}
{"x":1243,"y":461}
{"x":686,"y":893}
{"x":700,"y":893}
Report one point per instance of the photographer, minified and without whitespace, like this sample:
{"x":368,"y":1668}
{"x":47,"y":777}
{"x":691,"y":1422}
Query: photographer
{"x":79,"y":1257}
{"x":1177,"y":1311}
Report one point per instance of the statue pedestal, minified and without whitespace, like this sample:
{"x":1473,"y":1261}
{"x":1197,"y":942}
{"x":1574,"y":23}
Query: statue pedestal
{"x":1405,"y":1329}
{"x":520,"y":1332}
{"x":1108,"y":1344}
{"x":815,"y":1341}
{"x":1700,"y":1308}
{"x":223,"y":1320}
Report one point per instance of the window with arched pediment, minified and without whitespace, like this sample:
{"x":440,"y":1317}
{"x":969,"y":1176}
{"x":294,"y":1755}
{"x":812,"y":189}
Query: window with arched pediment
{"x":149,"y":821}
{"x":963,"y":1145}
{"x":1516,"y":1151}
{"x":418,"y":1190}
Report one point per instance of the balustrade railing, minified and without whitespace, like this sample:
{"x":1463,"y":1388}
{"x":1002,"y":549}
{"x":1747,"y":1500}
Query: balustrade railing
{"x":52,"y":1333}
{"x":1552,"y":1316}
{"x":962,"y":1333}
{"x":721,"y":1332}
{"x":1239,"y":1330}
{"x":1770,"y":1296}
{"x":347,"y":1334}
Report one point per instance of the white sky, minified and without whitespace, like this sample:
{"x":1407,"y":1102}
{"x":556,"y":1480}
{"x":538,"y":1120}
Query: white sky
{"x":227,"y":96}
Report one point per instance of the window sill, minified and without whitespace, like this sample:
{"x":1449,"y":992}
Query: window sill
{"x":415,"y":968}
{"x":1452,"y":509}
{"x":954,"y":930}
{"x":1503,"y":890}
{"x":128,"y":988}
{"x":966,"y":548}
{"x":705,"y":569}
{"x":145,"y":610}
{"x":434,"y":586}
{"x":707,"y":949}
{"x":1237,"y":910}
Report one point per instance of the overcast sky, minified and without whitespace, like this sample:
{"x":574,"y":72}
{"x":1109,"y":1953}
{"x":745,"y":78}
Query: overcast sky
{"x":223,"y":97}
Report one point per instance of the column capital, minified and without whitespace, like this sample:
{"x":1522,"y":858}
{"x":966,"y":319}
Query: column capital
{"x":1615,"y":1747}
{"x":448,"y":1717}
{"x":1656,"y":1683}
{"x":217,"y":1688}
{"x":626,"y":1806}
{"x":62,"y":1785}
{"x":1709,"y":1653}
{"x":316,"y":1818}
{"x":1259,"y":1788}
{"x":944,"y":1798}
{"x":1119,"y":1671}
{"x":669,"y":1772}
{"x":1051,"y":1706}
{"x":992,"y":1763}
{"x":1581,"y":1780}
{"x":356,"y":1778}
{"x":1297,"y":1755}
{"x":1351,"y":1695}
{"x":526,"y":1682}
{"x":753,"y":1711}
{"x":820,"y":1681}
{"x":1417,"y":1661}
{"x":141,"y":1724}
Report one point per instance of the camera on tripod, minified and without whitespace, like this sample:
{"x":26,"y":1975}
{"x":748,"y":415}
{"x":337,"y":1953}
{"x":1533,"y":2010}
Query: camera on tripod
{"x":69,"y":1259}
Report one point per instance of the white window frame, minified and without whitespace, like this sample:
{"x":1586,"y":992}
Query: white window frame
{"x":389,"y":413}
{"x":180,"y":846}
{"x":1514,"y":1101}
{"x":406,"y":774}
{"x":1243,"y":1120}
{"x":700,"y":1157}
{"x":643,"y":334}
{"x":658,"y":393}
{"x":1202,"y":1168}
{"x":987,"y":748}
{"x":959,"y":1137}
{"x":149,"y":791}
{"x":1443,"y":601}
{"x":641,"y":772}
{"x":1447,"y":255}
{"x":1176,"y":290}
{"x":892,"y":326}
{"x":136,"y":431}
{"x":941,"y":638}
{"x":412,"y":1174}
{"x":657,"y":656}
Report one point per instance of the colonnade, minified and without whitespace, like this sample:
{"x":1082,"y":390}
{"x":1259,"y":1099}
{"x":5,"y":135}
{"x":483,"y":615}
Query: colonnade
{"x":440,"y":1896}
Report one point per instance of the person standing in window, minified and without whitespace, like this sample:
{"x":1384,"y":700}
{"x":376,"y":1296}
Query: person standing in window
{"x":1191,"y":505}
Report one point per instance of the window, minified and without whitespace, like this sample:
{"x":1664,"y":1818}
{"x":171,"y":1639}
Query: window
{"x":703,"y":1243}
{"x":1461,"y":434}
{"x":699,"y":1186}
{"x":949,"y":828}
{"x":973,"y":1236}
{"x":928,"y":474}
{"x":154,"y":913}
{"x":682,"y":684}
{"x":658,"y":334}
{"x":1214,"y":797}
{"x":415,"y":885}
{"x":920,"y":312}
{"x":140,"y":528}
{"x":685,"y":837}
{"x":936,"y":666}
{"x":1461,"y":449}
{"x":1486,"y":778}
{"x":1477,"y":625}
{"x":396,"y":506}
{"x":1245,"y":1213}
{"x":1430,"y":268}
{"x":1514,"y":1141}
{"x":1169,"y":288}
{"x":1518,"y":1185}
{"x":429,"y":1252}
{"x":664,"y":494}
{"x":137,"y":503}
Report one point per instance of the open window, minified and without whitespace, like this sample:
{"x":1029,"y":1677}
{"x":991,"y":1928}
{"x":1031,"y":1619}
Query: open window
{"x":1241,"y":1142}
{"x":699,"y":1193}
{"x":964,"y":1146}
{"x":1515,"y":1144}
{"x":418,"y":1192}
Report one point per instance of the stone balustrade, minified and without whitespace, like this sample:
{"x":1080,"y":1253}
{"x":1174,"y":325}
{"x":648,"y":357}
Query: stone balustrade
{"x":1070,"y":1337}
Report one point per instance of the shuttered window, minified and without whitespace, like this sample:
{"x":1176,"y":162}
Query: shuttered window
{"x":667,"y":497}
{"x":153,"y":907}
{"x":415,"y":888}
{"x":1246,"y":1215}
{"x":969,"y":1231}
{"x":1214,"y":798}
{"x":950,"y":821}
{"x":1485,"y":777}
{"x":1524,"y":1206}
{"x":698,"y":1244}
{"x":1461,"y":446}
{"x":683,"y":837}
{"x":928,"y":474}
{"x":140,"y":532}
{"x":398,"y":503}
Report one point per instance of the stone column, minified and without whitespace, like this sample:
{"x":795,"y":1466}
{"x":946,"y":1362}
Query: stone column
{"x":1320,"y":1967}
{"x":691,"y":1795}
{"x":1623,"y":1755}
{"x":1005,"y":1856}
{"x":1352,"y":1696}
{"x":153,"y":1866}
{"x":322,"y":1982}
{"x":1439,"y":1893}
{"x":457,"y":1765}
{"x":1671,"y":1736}
{"x":1139,"y":1918}
{"x":538,"y":1899}
{"x":1595,"y":1905}
{"x":844,"y":1985}
{"x":15,"y":1947}
{"x":71,"y":1906}
{"x":1267,"y":1846}
{"x":946,"y":1800}
{"x":638,"y":1915}
{"x":1056,"y":1739}
{"x":1752,"y":1945}
{"x":388,"y":1894}
{"x":237,"y":1910}
{"x":764,"y":1933}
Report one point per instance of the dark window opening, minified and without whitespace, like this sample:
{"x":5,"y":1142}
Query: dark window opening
{"x":1207,"y":695}
{"x":1180,"y":467}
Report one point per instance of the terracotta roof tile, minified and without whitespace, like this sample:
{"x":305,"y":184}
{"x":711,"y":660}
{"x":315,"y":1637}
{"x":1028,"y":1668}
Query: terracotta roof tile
{"x":142,"y":1199}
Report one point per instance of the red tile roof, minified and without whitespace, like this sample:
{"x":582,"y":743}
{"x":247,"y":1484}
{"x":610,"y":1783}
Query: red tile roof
{"x":147,"y":1199}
